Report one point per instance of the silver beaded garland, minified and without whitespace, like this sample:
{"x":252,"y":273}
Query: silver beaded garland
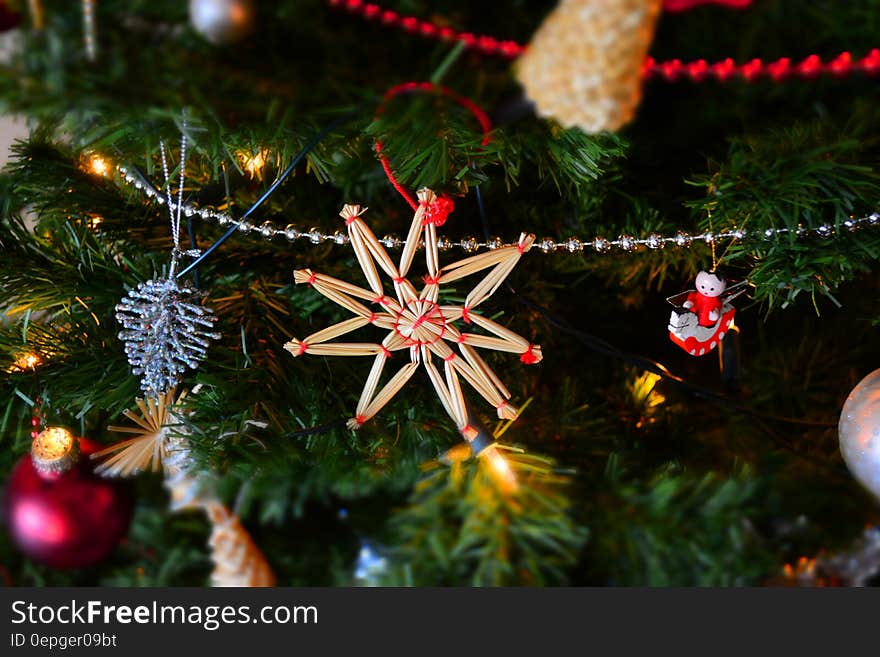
{"x":601,"y":245}
{"x":548,"y":245}
{"x":89,"y":29}
{"x":494,"y":243}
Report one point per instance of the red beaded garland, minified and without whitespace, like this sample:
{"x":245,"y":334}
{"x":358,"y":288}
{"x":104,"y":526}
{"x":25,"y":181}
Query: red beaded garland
{"x":673,"y":70}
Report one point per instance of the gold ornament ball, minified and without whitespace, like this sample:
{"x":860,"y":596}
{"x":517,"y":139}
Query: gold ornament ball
{"x":859,"y":431}
{"x":222,"y":21}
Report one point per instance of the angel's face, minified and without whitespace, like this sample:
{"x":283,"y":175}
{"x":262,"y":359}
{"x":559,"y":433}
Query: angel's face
{"x":709,"y":284}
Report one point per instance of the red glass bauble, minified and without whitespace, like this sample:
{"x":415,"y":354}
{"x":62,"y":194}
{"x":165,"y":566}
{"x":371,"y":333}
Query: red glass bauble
{"x":67,"y":519}
{"x":9,"y":18}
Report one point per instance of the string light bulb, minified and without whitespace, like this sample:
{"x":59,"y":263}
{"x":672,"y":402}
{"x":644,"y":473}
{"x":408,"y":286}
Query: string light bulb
{"x":98,"y":165}
{"x":55,"y":449}
{"x":253,"y":163}
{"x":499,"y":468}
{"x":26,"y":361}
{"x":646,"y":397}
{"x":643,"y":389}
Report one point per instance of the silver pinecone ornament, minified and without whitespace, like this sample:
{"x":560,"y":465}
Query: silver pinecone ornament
{"x":166,"y":332}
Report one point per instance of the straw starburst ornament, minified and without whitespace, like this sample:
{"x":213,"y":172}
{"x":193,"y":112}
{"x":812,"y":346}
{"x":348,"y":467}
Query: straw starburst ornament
{"x":416,"y":323}
{"x":149,"y":446}
{"x":160,"y":442}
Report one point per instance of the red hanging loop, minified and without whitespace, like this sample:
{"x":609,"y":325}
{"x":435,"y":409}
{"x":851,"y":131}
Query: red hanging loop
{"x":438,"y":211}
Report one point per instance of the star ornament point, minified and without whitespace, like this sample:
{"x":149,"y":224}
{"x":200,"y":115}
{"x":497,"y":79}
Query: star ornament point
{"x":429,"y":333}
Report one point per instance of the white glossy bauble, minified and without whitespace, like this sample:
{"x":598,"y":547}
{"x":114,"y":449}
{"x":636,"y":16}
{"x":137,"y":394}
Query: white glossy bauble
{"x":222,"y":21}
{"x":859,"y":431}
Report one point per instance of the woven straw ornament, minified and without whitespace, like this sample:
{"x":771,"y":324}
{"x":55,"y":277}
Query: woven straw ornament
{"x":583,"y":67}
{"x":159,"y":442}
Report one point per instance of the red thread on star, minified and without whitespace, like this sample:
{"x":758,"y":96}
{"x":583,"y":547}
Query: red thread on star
{"x":438,"y":211}
{"x":529,"y":357}
{"x":433,"y":315}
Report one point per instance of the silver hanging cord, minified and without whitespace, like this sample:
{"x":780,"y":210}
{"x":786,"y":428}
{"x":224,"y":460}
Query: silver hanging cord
{"x":175,"y":210}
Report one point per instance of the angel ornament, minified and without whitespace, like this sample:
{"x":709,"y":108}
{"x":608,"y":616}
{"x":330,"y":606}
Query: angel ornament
{"x":702,"y":317}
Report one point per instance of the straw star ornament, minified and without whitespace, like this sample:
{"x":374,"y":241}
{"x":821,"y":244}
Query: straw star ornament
{"x":415,"y":321}
{"x":149,"y":447}
{"x":160,"y":442}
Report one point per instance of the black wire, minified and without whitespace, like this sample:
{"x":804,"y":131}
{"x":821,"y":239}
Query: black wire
{"x":599,"y":345}
{"x":321,"y":428}
{"x":644,"y":363}
{"x":314,"y":141}
{"x":323,"y":132}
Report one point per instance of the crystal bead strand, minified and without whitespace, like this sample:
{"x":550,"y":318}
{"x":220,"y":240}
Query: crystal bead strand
{"x":547,"y":245}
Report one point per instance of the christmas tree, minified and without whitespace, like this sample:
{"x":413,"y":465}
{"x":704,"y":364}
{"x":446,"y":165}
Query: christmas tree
{"x":334,"y":293}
